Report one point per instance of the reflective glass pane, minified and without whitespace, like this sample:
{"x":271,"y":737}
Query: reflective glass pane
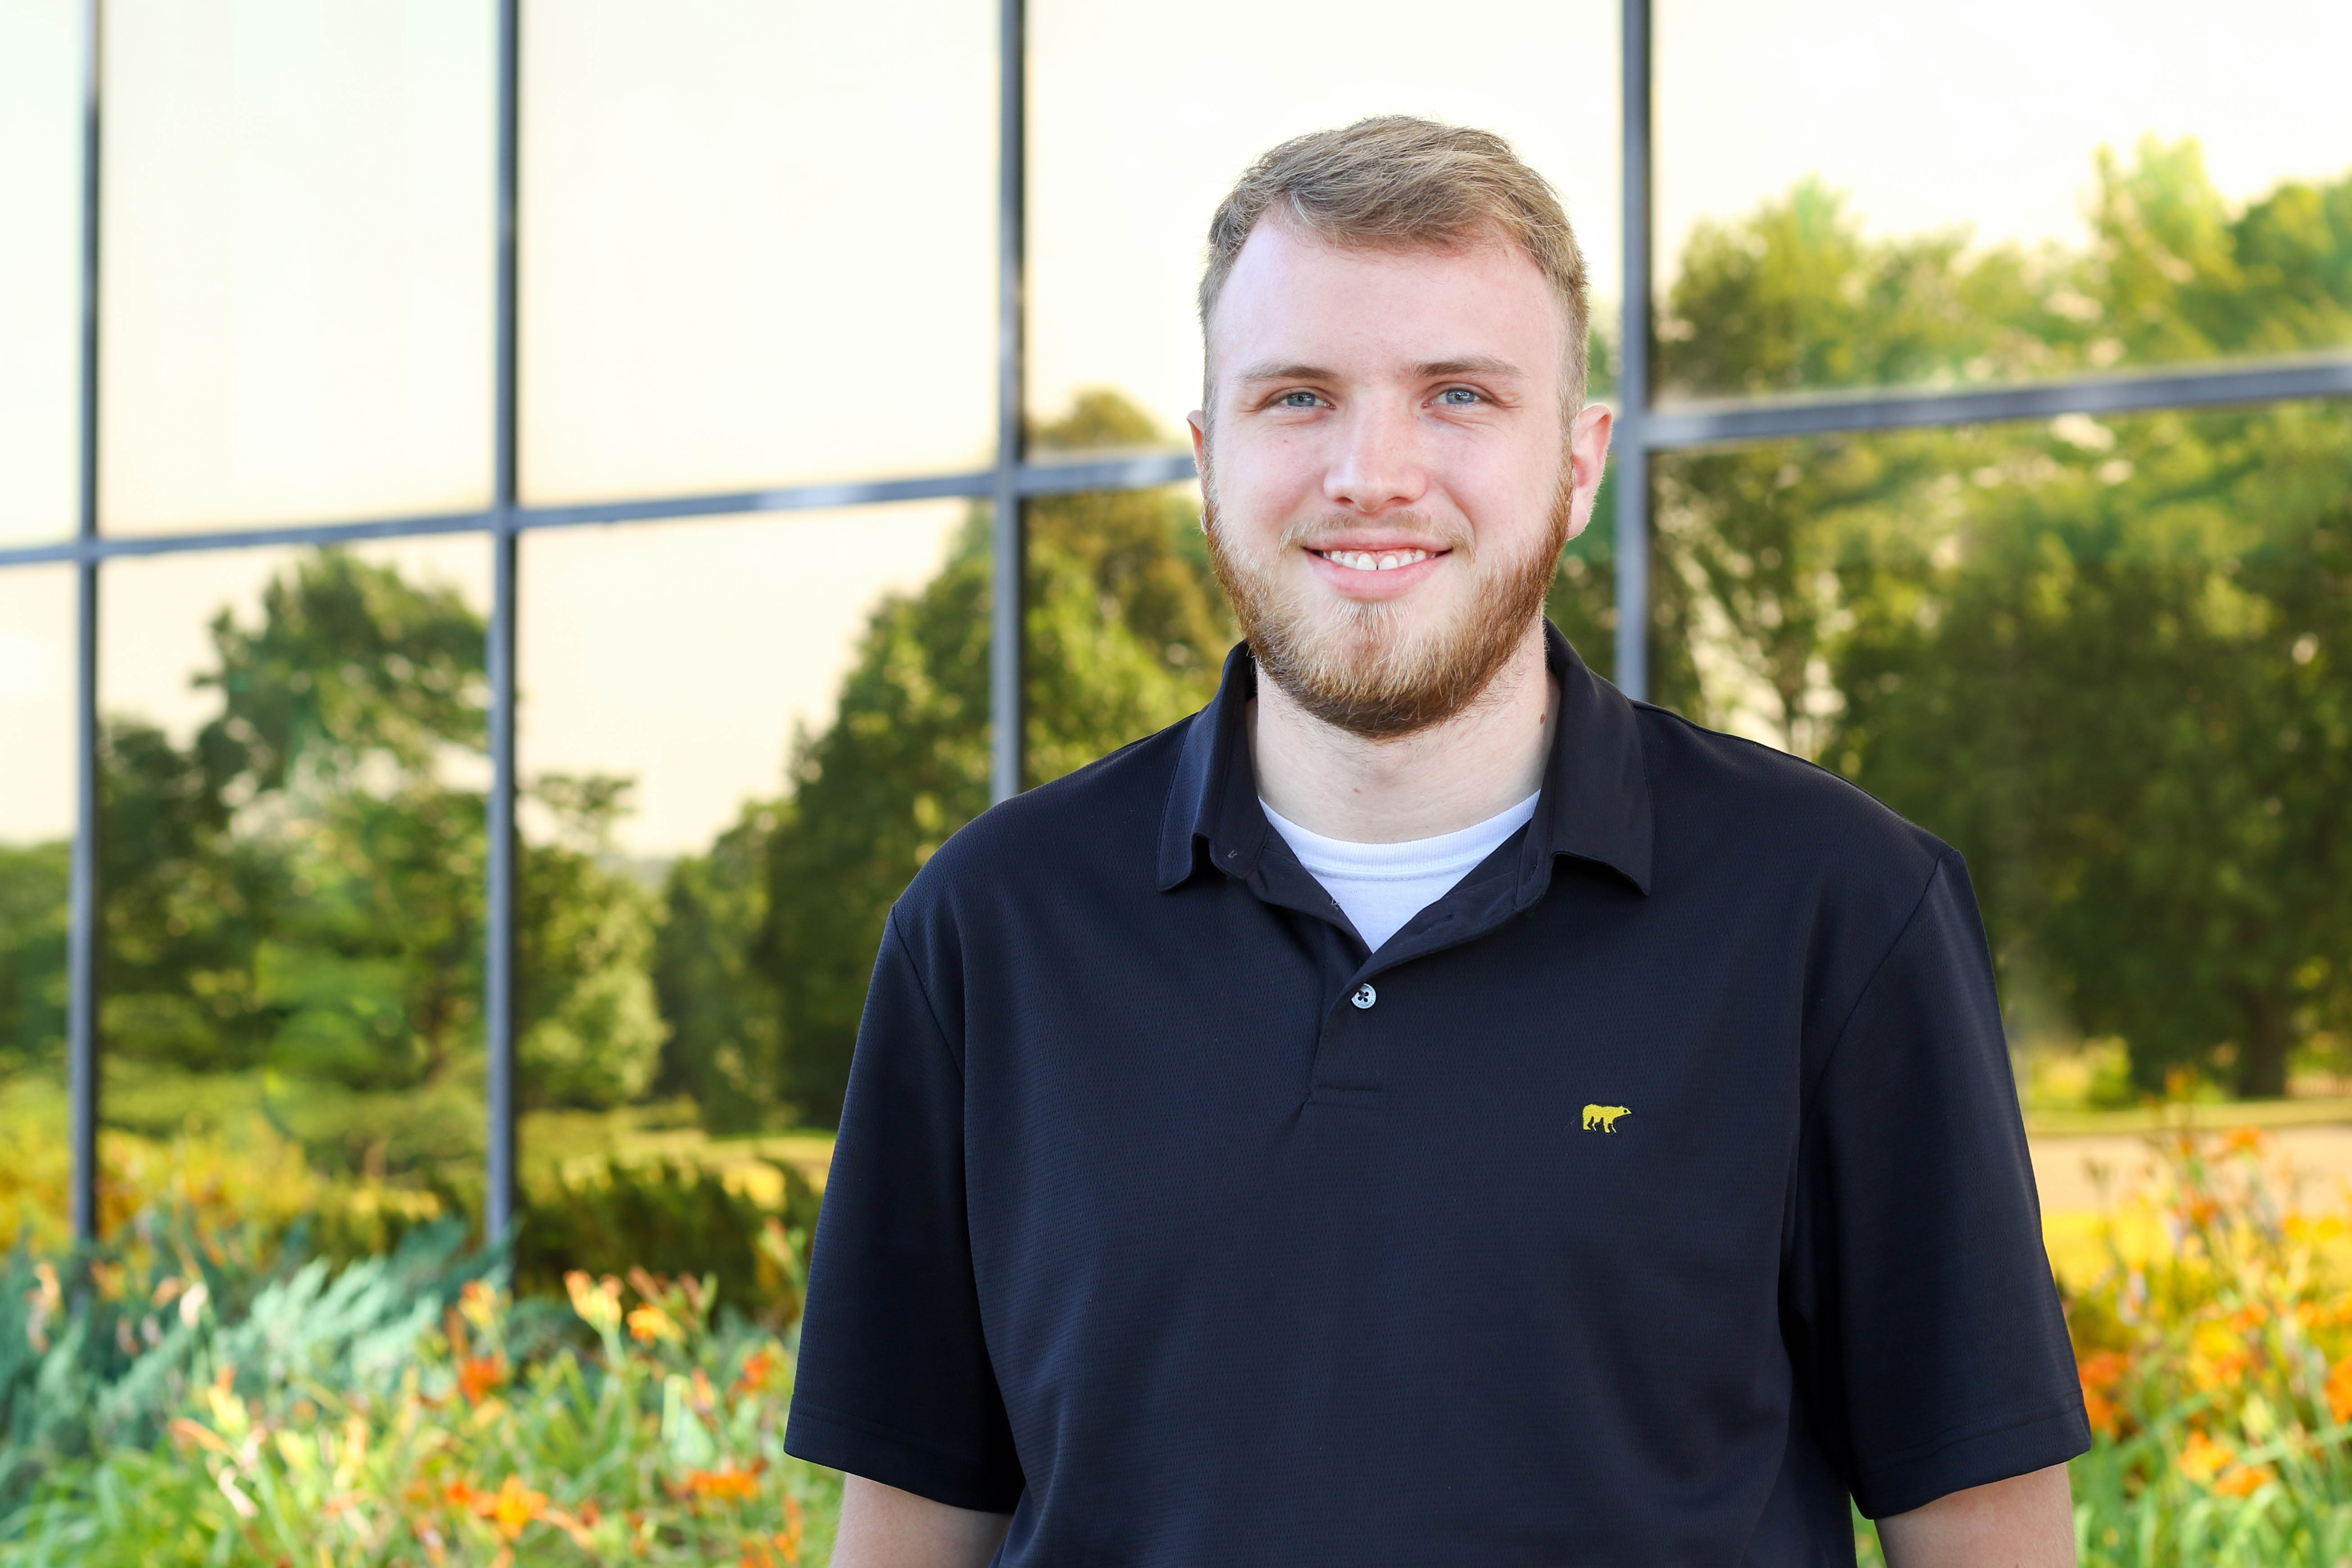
{"x":36,"y":825}
{"x":758,"y":244}
{"x":1127,"y":626}
{"x":739,"y":737}
{"x":1138,"y":129}
{"x":2110,"y":661}
{"x":292,"y":866}
{"x":297,"y":281}
{"x":1852,"y":195}
{"x":40,"y":268}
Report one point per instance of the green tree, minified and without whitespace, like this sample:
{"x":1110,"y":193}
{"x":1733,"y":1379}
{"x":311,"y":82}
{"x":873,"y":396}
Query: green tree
{"x":301,"y":886}
{"x":33,"y":891}
{"x":1125,"y":634}
{"x":2124,"y":697}
{"x":724,"y":1044}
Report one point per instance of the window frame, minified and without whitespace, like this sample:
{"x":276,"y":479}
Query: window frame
{"x":1643,"y":431}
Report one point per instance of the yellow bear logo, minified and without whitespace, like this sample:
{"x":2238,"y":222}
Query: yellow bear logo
{"x":1603,"y":1117}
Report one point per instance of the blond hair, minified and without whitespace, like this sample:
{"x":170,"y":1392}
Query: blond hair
{"x":1397,"y":182}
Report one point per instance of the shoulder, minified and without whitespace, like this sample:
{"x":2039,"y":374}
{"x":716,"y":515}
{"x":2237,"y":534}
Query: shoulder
{"x":1741,"y":803}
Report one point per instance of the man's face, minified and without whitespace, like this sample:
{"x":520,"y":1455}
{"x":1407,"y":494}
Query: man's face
{"x":1388,"y":475}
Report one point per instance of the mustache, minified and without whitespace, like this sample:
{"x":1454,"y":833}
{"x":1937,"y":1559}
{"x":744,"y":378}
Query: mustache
{"x":1313,"y":534}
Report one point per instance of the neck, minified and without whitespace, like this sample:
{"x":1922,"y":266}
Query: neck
{"x":1451,"y":775}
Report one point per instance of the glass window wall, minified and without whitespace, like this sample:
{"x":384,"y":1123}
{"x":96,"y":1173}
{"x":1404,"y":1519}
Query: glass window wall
{"x":41,"y":270}
{"x":2106,"y":659}
{"x":758,"y":245}
{"x":298,"y":228}
{"x":1138,"y":129}
{"x":36,"y":826}
{"x":1899,"y":197}
{"x":292,"y":842}
{"x":757,"y":249}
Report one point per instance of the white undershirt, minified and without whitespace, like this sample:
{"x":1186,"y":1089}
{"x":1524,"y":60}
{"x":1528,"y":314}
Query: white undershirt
{"x":1381,"y":886}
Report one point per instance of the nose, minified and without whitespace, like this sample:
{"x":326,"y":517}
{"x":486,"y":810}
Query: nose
{"x":1379,"y":465}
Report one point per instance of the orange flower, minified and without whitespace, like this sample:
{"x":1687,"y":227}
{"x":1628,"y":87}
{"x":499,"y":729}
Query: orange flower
{"x":2201,"y":1459}
{"x":651,"y":1323}
{"x":515,"y":1506}
{"x":725,"y":1482}
{"x":2242,"y":1481}
{"x":2101,"y":1373}
{"x":757,"y":1368}
{"x":509,"y":1507}
{"x":2243,"y":1141}
{"x":2215,"y":1464}
{"x":2339,"y":1390}
{"x":783,"y":1546}
{"x":478,"y":1375}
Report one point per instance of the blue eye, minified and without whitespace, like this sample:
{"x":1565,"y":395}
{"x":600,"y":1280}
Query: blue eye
{"x":1458,"y":396}
{"x":1298,"y":400}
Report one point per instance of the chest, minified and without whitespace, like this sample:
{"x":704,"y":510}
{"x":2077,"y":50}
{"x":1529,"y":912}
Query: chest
{"x":1550,"y":1107}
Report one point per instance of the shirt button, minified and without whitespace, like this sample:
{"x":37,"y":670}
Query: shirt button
{"x":1365,"y":996}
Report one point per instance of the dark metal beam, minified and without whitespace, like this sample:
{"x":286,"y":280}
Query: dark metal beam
{"x":2273,"y":381}
{"x":1633,"y":434}
{"x":1668,"y":429}
{"x":83,"y":923}
{"x":1146,"y":472}
{"x":1010,"y":554}
{"x":782,"y":497}
{"x":498,"y":965}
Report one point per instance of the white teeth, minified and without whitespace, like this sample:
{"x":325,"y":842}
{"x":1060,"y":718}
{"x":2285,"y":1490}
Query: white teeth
{"x":1365,"y":560}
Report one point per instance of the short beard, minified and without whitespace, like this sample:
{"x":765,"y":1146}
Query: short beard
{"x":1357,"y":669}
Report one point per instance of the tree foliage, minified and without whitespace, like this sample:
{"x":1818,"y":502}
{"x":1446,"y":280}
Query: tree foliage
{"x":2106,"y":660}
{"x":300,"y":888}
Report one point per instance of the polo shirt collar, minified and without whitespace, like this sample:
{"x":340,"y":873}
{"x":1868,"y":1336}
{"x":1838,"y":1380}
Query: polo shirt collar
{"x":1595,"y":804}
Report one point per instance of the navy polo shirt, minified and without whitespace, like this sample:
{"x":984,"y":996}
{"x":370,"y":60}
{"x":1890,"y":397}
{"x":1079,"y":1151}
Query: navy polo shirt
{"x":1653,"y":1190}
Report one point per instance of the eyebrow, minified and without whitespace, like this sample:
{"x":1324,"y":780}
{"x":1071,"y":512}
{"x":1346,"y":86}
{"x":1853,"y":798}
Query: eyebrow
{"x":1476,"y":365}
{"x":1431,"y":370}
{"x":1274,"y":370}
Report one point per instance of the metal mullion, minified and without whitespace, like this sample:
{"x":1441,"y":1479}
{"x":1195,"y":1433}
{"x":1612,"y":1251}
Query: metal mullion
{"x":1730,"y":421}
{"x":783,"y":498}
{"x":498,"y":965}
{"x":1141,"y":473}
{"x":1668,"y":429}
{"x":1008,"y":552}
{"x":1633,"y":434}
{"x":83,"y":913}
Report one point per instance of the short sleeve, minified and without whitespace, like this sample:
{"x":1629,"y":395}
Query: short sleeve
{"x":1929,"y":1344}
{"x":893,"y":1381}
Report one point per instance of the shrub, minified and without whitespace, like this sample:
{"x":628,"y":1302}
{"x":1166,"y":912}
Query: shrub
{"x":351,"y":1419}
{"x":2215,"y":1349}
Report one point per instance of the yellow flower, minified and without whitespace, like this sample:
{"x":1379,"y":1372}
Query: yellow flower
{"x":598,"y":1305}
{"x":516,"y":1506}
{"x":651,"y":1323}
{"x":479,"y":1304}
{"x":2201,"y":1459}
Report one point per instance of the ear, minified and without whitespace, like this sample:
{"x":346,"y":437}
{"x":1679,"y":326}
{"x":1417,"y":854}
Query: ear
{"x":1198,"y":423}
{"x":1588,"y":456}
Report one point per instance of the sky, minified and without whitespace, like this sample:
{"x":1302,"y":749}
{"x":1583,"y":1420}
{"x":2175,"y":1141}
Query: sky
{"x":757,"y":249}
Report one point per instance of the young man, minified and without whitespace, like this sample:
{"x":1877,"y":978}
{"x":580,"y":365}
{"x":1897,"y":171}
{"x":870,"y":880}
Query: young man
{"x":1426,"y":1108}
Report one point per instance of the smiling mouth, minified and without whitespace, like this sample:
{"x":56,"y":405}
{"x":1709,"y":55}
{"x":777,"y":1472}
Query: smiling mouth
{"x":1376,"y":560}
